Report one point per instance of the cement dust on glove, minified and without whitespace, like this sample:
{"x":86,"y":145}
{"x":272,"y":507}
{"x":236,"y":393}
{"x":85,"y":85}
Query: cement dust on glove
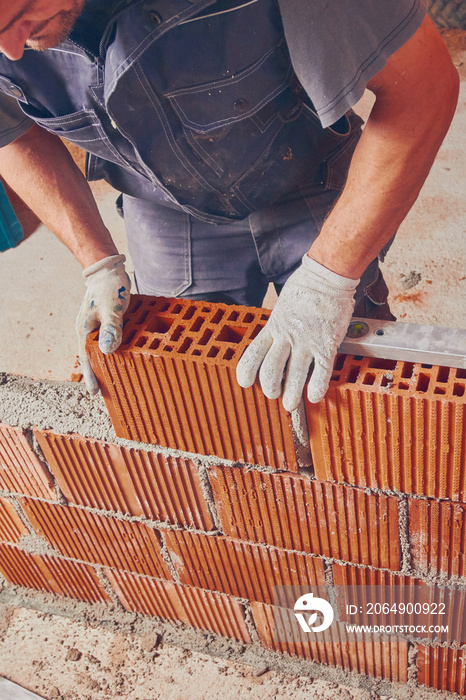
{"x":104,"y":305}
{"x":308,"y":323}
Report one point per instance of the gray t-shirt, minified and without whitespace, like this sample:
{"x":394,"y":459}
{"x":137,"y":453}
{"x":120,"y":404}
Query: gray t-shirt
{"x":336,"y":47}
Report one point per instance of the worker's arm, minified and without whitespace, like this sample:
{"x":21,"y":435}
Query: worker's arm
{"x":39,"y":168}
{"x":416,"y":95}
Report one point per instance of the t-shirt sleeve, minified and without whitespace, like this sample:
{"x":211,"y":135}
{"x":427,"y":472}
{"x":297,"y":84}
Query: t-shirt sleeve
{"x":337,"y":46}
{"x":13,"y":122}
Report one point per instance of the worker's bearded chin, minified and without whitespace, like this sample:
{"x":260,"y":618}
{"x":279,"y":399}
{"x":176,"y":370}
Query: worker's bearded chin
{"x":54,"y":30}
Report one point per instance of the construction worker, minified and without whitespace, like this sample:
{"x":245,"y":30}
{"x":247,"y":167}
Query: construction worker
{"x":227,"y":127}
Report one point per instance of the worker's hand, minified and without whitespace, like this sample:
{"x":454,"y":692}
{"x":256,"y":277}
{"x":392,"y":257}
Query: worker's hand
{"x":309,"y":321}
{"x":104,"y":304}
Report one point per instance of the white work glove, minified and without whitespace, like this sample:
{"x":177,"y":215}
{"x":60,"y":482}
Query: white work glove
{"x":104,"y":304}
{"x":309,"y":321}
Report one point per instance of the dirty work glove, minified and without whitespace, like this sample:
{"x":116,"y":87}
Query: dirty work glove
{"x":309,"y":322}
{"x":106,"y":300}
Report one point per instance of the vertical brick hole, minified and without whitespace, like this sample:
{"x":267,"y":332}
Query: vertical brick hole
{"x":231,"y":334}
{"x":443,"y":374}
{"x":160,"y":325}
{"x":387,"y":380}
{"x":369,"y":379}
{"x":206,"y":337}
{"x":189,"y":313}
{"x":380,"y":363}
{"x":142,"y":317}
{"x":339,"y":362}
{"x":458,"y":390}
{"x":408,"y":370}
{"x":353,"y":375}
{"x":129,"y":338}
{"x":256,"y":331}
{"x":185,"y":346}
{"x":423,"y":382}
{"x":219,"y":314}
{"x":177,"y":333}
{"x":197,"y":325}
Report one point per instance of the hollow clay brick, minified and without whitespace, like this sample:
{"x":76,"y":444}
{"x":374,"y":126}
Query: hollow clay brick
{"x":292,"y":512}
{"x":78,"y":534}
{"x":392,"y":425}
{"x":238,"y":568}
{"x":11,"y":527}
{"x":442,"y":668}
{"x":437,"y":531}
{"x":201,"y":609}
{"x":173,"y":383}
{"x":43,"y":573}
{"x":370,"y":588}
{"x":21,"y":471}
{"x":112,"y":478}
{"x":381,"y":657}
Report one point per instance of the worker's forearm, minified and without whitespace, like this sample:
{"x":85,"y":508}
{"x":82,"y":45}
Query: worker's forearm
{"x":389,"y":166}
{"x":39,"y":168}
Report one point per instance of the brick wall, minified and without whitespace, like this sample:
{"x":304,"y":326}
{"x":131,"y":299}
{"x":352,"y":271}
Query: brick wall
{"x":201,"y":502}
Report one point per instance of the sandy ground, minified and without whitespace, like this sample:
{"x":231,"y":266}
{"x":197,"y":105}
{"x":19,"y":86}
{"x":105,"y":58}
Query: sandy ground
{"x":61,"y":659}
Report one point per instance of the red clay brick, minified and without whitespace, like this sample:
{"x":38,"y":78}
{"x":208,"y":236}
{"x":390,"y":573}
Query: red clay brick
{"x":105,"y":476}
{"x":381,"y":657}
{"x":78,"y":534}
{"x":172,"y":383}
{"x":21,"y":471}
{"x":11,"y":527}
{"x":201,"y":609}
{"x":357,"y":586}
{"x":442,"y":668}
{"x":392,"y":425}
{"x":43,"y":573}
{"x":238,"y":568}
{"x":292,"y":512}
{"x":437,"y":533}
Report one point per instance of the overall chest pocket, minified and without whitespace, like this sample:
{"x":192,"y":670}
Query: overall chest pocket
{"x":229,"y":123}
{"x":82,"y":128}
{"x":223,"y":102}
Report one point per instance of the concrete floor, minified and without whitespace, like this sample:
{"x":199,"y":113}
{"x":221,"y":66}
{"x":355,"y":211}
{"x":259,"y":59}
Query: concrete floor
{"x":42,"y":285}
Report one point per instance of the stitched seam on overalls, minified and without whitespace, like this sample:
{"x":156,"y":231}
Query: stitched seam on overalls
{"x":197,"y":148}
{"x":148,"y":40}
{"x":226,"y":81}
{"x":231,"y":120}
{"x":167,"y":130}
